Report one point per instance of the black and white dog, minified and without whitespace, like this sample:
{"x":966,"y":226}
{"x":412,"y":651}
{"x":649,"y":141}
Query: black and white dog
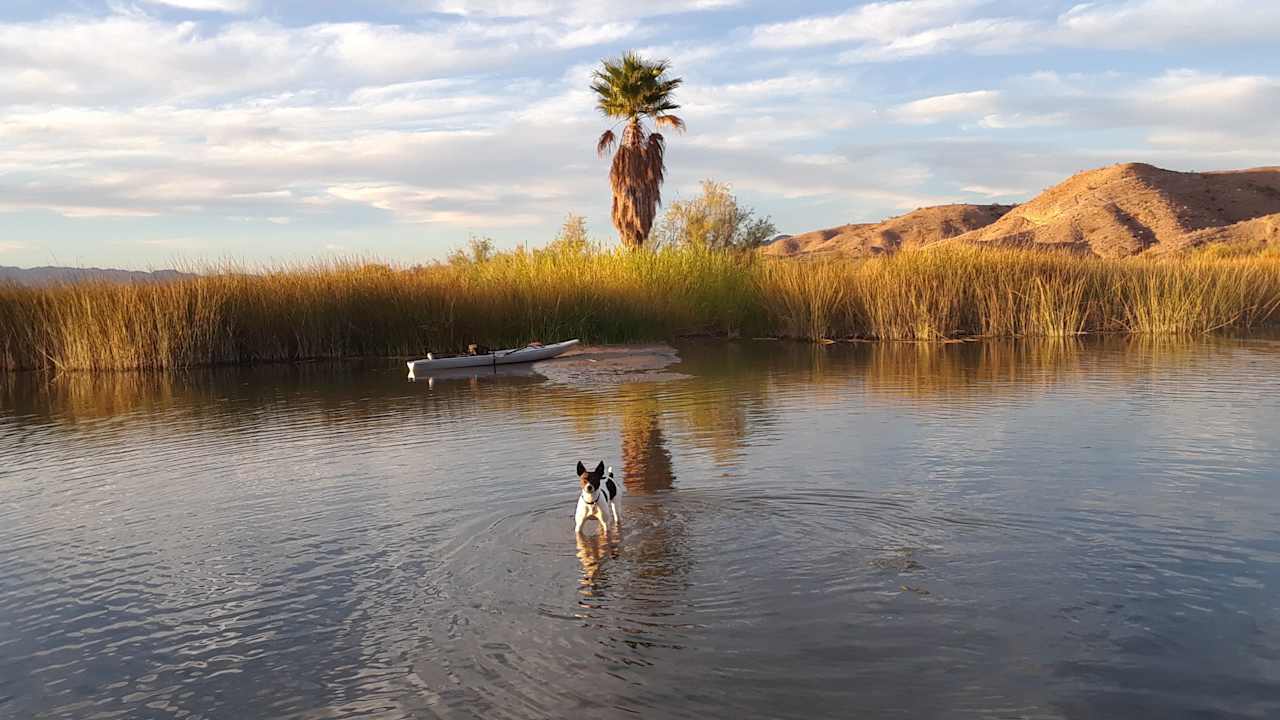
{"x":598,"y":491}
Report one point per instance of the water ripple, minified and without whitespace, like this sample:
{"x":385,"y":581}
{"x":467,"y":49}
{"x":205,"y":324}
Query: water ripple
{"x":990,"y":529}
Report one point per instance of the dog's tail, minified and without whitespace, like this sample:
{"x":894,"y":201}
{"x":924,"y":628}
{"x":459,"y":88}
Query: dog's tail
{"x":615,"y":483}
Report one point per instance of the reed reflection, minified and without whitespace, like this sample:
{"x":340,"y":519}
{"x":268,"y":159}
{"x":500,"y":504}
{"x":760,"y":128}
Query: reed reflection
{"x":748,"y":372}
{"x":928,"y":371}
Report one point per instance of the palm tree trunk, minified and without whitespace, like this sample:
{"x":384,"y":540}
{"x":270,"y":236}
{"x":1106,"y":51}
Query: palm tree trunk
{"x":635,"y":186}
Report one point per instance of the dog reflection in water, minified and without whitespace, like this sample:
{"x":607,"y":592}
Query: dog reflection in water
{"x":593,"y":552}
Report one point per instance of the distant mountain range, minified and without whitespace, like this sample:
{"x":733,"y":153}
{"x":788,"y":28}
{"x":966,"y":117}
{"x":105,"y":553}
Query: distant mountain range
{"x":49,"y":274}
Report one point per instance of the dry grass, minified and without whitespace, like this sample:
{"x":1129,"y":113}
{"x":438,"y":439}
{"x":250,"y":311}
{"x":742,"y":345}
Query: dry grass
{"x":361,"y":309}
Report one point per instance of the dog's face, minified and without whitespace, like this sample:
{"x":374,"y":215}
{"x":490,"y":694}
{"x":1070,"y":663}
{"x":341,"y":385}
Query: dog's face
{"x":590,"y":481}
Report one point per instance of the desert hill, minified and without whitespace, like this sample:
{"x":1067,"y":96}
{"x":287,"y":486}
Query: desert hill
{"x":1133,"y":208}
{"x":914,"y":229}
{"x":1115,"y":211}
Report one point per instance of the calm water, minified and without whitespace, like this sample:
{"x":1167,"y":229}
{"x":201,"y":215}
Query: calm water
{"x":1061,"y":530}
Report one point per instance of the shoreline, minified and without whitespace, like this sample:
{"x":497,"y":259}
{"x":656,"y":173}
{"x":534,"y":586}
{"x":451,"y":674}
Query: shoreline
{"x":353,"y":311}
{"x":1270,"y":332}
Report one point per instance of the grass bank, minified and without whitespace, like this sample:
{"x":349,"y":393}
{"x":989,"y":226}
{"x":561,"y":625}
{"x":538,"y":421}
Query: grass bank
{"x":353,"y":309}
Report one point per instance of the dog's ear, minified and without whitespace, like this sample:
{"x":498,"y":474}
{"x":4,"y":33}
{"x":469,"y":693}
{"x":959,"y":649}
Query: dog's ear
{"x":582,"y":469}
{"x":599,"y":469}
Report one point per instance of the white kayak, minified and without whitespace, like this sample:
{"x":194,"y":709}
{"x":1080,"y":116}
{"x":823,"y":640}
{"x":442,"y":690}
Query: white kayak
{"x":526,"y":354}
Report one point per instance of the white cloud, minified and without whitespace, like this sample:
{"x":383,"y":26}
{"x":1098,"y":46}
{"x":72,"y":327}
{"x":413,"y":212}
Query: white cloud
{"x":942,"y":107}
{"x":1239,"y":104}
{"x":770,"y":99}
{"x":1156,"y":23}
{"x":885,"y":31}
{"x":572,"y":10}
{"x":39,"y":202}
{"x":1243,"y":105}
{"x":279,"y":146}
{"x":818,"y":159}
{"x":995,"y":192}
{"x":763,"y":113}
{"x":264,"y":195}
{"x":1183,"y":119}
{"x":419,"y":204}
{"x":873,"y":21}
{"x":491,"y":8}
{"x":222,"y":6}
{"x":133,"y":59}
{"x":1048,"y":82}
{"x":1192,"y":90}
{"x":1007,"y":121}
{"x":980,"y":37}
{"x":770,"y":131}
{"x":175,"y":243}
{"x":589,"y":35}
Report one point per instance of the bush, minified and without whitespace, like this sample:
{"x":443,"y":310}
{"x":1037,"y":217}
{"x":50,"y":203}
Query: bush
{"x":479,"y":249}
{"x":573,"y":236}
{"x":714,"y":221}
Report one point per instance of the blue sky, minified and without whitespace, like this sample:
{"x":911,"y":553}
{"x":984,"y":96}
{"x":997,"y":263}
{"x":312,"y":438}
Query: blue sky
{"x":143,"y":133}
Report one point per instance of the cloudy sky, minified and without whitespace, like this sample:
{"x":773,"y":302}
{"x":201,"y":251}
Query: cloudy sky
{"x":137,"y":133}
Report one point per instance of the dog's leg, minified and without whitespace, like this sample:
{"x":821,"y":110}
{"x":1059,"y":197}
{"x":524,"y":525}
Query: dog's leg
{"x":578,"y":518}
{"x":614,"y":507}
{"x":604,"y":526}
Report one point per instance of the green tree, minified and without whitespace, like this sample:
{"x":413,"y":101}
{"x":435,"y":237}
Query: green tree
{"x":573,"y":235}
{"x":633,"y":89}
{"x":478,"y":250}
{"x":714,"y":220}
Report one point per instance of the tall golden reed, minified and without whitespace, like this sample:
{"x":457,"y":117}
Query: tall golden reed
{"x":350,"y":309}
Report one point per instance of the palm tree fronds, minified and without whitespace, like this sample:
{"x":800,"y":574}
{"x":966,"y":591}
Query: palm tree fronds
{"x":631,"y":86}
{"x":656,"y":143}
{"x":670,"y":121}
{"x":655,"y":151}
{"x":606,"y":143}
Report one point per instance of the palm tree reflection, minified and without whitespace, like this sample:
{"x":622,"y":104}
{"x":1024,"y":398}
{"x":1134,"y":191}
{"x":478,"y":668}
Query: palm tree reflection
{"x":648,"y":561}
{"x":646,"y":528}
{"x":646,"y":462}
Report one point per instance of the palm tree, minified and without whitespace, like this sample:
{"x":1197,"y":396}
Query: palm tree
{"x":632,"y":89}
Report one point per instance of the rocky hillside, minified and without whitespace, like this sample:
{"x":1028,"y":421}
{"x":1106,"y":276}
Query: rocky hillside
{"x":914,"y":229}
{"x":1133,"y":208}
{"x":1115,"y":211}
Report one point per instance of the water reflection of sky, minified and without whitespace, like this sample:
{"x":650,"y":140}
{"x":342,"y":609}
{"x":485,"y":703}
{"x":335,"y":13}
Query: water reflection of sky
{"x":1044,"y":529}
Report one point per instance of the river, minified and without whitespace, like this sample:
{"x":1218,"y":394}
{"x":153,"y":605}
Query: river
{"x":1062,"y":529}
